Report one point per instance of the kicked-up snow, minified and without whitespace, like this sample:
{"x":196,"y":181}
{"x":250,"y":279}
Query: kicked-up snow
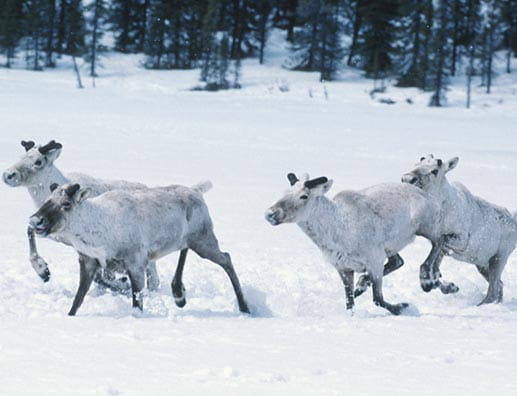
{"x":148,"y":127}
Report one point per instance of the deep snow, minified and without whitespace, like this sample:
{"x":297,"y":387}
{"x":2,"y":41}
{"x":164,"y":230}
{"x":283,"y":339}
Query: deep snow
{"x":147,"y":126}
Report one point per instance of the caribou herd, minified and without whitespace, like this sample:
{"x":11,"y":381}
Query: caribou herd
{"x":119,"y":228}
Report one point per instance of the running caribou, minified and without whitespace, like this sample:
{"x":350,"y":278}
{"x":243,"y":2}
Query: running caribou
{"x":37,"y":172}
{"x":126,"y":230}
{"x":472,"y":229}
{"x":357,"y":230}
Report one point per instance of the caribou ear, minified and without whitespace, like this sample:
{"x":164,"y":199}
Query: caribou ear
{"x":27,"y":145}
{"x":53,"y":186}
{"x":292,"y":178}
{"x":82,"y":194}
{"x":452,"y":163}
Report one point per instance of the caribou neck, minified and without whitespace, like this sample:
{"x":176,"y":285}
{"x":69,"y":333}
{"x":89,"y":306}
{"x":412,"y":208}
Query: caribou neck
{"x":40,"y":191}
{"x":322,"y":221}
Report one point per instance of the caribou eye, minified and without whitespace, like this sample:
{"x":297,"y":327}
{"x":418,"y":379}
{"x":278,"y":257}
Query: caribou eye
{"x":434,"y":172}
{"x":66,"y":205}
{"x":38,"y":163}
{"x":304,"y":196}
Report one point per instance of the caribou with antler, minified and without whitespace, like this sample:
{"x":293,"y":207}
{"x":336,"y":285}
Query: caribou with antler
{"x":357,"y":230}
{"x":472,"y":230}
{"x":36,"y":171}
{"x":128,"y":229}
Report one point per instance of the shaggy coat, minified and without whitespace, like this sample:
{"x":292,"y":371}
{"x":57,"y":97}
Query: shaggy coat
{"x":357,"y":230}
{"x":473,"y":230}
{"x":36,"y":171}
{"x":124,"y":230}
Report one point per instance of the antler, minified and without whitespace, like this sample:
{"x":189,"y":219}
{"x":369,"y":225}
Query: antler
{"x":27,"y":145}
{"x":292,"y":178}
{"x":315,"y":182}
{"x":71,"y":190}
{"x":52,"y":145}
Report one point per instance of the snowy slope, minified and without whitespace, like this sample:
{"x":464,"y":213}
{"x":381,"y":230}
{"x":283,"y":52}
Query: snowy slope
{"x":147,"y":126}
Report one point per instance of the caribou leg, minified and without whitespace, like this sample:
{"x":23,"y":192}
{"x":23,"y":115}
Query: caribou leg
{"x":393,"y":264}
{"x":88,"y":268}
{"x":37,"y":262}
{"x":178,"y":290}
{"x":348,"y":281}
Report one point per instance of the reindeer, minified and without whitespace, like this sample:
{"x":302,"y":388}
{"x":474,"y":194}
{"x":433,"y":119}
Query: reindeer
{"x":473,"y":230}
{"x":36,"y":171}
{"x":357,"y":230}
{"x":127,"y":230}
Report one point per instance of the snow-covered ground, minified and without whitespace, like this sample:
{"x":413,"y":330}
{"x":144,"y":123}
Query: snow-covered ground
{"x":147,"y":126}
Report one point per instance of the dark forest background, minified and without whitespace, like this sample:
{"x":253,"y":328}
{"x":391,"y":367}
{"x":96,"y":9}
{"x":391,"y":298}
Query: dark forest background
{"x":420,"y":43}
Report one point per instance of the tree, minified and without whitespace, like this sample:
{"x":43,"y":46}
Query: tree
{"x":471,"y":30}
{"x":377,"y":37}
{"x":10,"y":28}
{"x":317,"y":45}
{"x":129,"y":23}
{"x":217,"y":50}
{"x":98,"y":14}
{"x":441,"y":50}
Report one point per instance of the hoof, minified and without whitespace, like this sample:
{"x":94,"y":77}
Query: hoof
{"x":45,"y":276}
{"x":359,"y":291}
{"x":179,"y":296}
{"x":362,"y":285}
{"x":398,"y":308}
{"x":449,"y":288}
{"x":244,"y":309}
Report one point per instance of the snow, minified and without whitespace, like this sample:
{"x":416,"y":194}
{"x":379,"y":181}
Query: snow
{"x":147,"y":126}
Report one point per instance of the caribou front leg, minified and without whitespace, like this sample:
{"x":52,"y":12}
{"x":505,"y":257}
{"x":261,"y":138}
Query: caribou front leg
{"x":37,"y":262}
{"x":393,"y":264}
{"x":430,"y":275}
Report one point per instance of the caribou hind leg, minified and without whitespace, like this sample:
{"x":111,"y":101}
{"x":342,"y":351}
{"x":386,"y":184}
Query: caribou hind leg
{"x":495,"y":285}
{"x":348,"y":281}
{"x":178,"y":290}
{"x":153,"y":280}
{"x":393,"y":264}
{"x":378,"y":298}
{"x":88,"y":268}
{"x":207,"y":247}
{"x":137,"y":279}
{"x":37,"y":262}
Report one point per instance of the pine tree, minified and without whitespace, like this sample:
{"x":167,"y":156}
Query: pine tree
{"x":129,"y":23}
{"x":217,"y":50}
{"x":317,"y":45}
{"x":261,"y":13}
{"x":441,"y":50}
{"x":98,"y":15}
{"x":472,"y":27}
{"x":50,"y":14}
{"x":35,"y":22}
{"x":10,"y":28}
{"x":376,"y":39}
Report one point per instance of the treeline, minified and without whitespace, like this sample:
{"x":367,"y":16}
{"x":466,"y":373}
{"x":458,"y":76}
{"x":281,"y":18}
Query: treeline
{"x":421,"y":43}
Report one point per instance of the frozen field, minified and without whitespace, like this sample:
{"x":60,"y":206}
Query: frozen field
{"x":146,"y":126}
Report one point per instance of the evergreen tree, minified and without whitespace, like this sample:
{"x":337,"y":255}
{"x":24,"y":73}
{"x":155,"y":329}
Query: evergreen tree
{"x":317,"y":45}
{"x":50,"y":14}
{"x":441,"y":51}
{"x":97,"y":18}
{"x":217,"y":50}
{"x":377,"y":36}
{"x":472,"y":27}
{"x":129,"y":23}
{"x":10,"y":28}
